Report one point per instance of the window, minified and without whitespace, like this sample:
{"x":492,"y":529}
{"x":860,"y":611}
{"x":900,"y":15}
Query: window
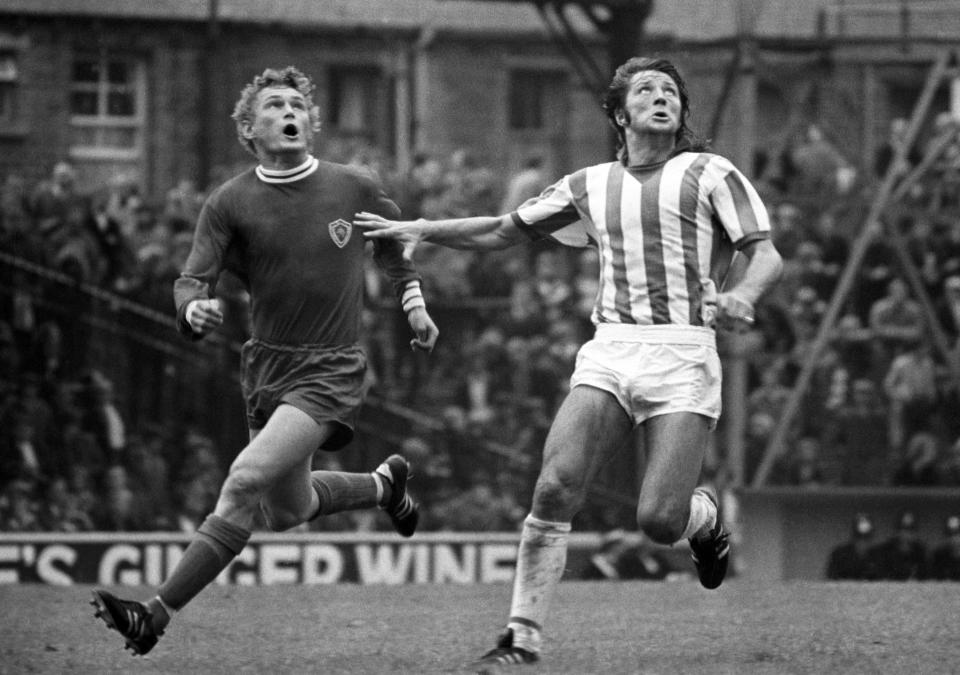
{"x":9,"y":76}
{"x":530,"y":95}
{"x":107,"y":107}
{"x":353,"y":100}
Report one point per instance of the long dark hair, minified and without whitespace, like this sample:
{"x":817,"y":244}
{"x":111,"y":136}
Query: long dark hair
{"x":616,"y":93}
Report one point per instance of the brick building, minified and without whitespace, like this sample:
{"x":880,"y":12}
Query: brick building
{"x":145,"y":88}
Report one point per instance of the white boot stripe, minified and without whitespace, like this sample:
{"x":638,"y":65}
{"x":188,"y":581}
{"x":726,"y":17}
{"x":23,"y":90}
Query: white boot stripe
{"x":404,"y":508}
{"x":384,"y":470}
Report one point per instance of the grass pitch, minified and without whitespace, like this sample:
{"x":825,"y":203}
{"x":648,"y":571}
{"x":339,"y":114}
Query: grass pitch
{"x":595,"y":627}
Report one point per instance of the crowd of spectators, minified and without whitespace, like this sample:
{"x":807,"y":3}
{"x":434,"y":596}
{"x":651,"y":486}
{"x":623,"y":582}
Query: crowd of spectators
{"x":903,"y":556}
{"x":880,"y":409}
{"x":67,"y":434}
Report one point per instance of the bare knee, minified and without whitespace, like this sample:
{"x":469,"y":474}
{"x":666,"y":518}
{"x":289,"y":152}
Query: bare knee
{"x":242,"y":488}
{"x":245,"y":491}
{"x":660,"y":521}
{"x":558,"y":496}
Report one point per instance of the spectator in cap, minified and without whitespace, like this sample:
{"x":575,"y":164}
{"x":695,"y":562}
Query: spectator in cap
{"x":945,"y":562}
{"x":902,"y":557}
{"x":851,"y":560}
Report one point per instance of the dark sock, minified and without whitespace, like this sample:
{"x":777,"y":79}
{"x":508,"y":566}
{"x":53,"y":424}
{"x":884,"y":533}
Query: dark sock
{"x":161,"y":617}
{"x":217,"y":542}
{"x":342,"y":491}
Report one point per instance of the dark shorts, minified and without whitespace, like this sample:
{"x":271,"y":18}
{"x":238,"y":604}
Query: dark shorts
{"x":324,"y":382}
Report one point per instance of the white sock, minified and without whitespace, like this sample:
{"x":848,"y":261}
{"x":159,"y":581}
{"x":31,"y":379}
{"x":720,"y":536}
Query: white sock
{"x":703,"y":515}
{"x":378,"y":478}
{"x":541,"y":560}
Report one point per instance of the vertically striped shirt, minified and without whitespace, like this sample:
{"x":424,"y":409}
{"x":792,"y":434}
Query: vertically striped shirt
{"x":665,"y":232}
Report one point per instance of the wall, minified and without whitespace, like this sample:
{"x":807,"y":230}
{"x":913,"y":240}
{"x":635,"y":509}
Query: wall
{"x":787,"y":533}
{"x":458,"y":90}
{"x":173,"y":97}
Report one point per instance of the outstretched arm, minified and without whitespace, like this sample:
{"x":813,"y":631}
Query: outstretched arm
{"x":477,"y":233}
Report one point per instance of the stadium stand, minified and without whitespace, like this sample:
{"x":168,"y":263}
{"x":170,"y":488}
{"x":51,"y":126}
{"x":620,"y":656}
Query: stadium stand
{"x":99,"y":396}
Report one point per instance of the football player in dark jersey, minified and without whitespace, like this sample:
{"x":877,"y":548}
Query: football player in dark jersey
{"x":284,"y":229}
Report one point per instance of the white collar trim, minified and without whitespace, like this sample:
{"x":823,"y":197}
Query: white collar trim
{"x":288,"y":175}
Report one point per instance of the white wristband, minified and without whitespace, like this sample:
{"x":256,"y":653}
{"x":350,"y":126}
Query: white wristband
{"x":412,"y":297}
{"x":413,"y":303}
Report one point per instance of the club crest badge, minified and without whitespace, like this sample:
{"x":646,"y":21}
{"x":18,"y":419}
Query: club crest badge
{"x":340,"y":231}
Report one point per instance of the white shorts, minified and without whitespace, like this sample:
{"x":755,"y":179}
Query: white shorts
{"x":653,"y":370}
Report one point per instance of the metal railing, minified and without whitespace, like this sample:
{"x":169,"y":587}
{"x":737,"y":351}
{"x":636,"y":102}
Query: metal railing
{"x":162,"y":381}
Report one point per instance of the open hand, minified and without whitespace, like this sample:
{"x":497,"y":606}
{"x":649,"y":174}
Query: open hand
{"x":408,"y":232}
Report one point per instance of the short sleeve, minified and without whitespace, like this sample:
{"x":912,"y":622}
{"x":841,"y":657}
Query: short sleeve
{"x":554,"y":215}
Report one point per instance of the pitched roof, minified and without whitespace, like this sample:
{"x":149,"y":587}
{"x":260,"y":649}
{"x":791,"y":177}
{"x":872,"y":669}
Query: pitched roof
{"x":682,"y":19}
{"x":457,"y":15}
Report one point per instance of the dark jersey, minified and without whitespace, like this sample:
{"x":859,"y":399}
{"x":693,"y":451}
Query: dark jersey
{"x":898,"y":562}
{"x":848,"y":562}
{"x":291,"y":242}
{"x":945,"y":563}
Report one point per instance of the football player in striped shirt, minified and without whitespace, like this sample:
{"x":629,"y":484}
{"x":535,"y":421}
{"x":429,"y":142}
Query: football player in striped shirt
{"x":284,"y":228}
{"x":666,"y":217}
